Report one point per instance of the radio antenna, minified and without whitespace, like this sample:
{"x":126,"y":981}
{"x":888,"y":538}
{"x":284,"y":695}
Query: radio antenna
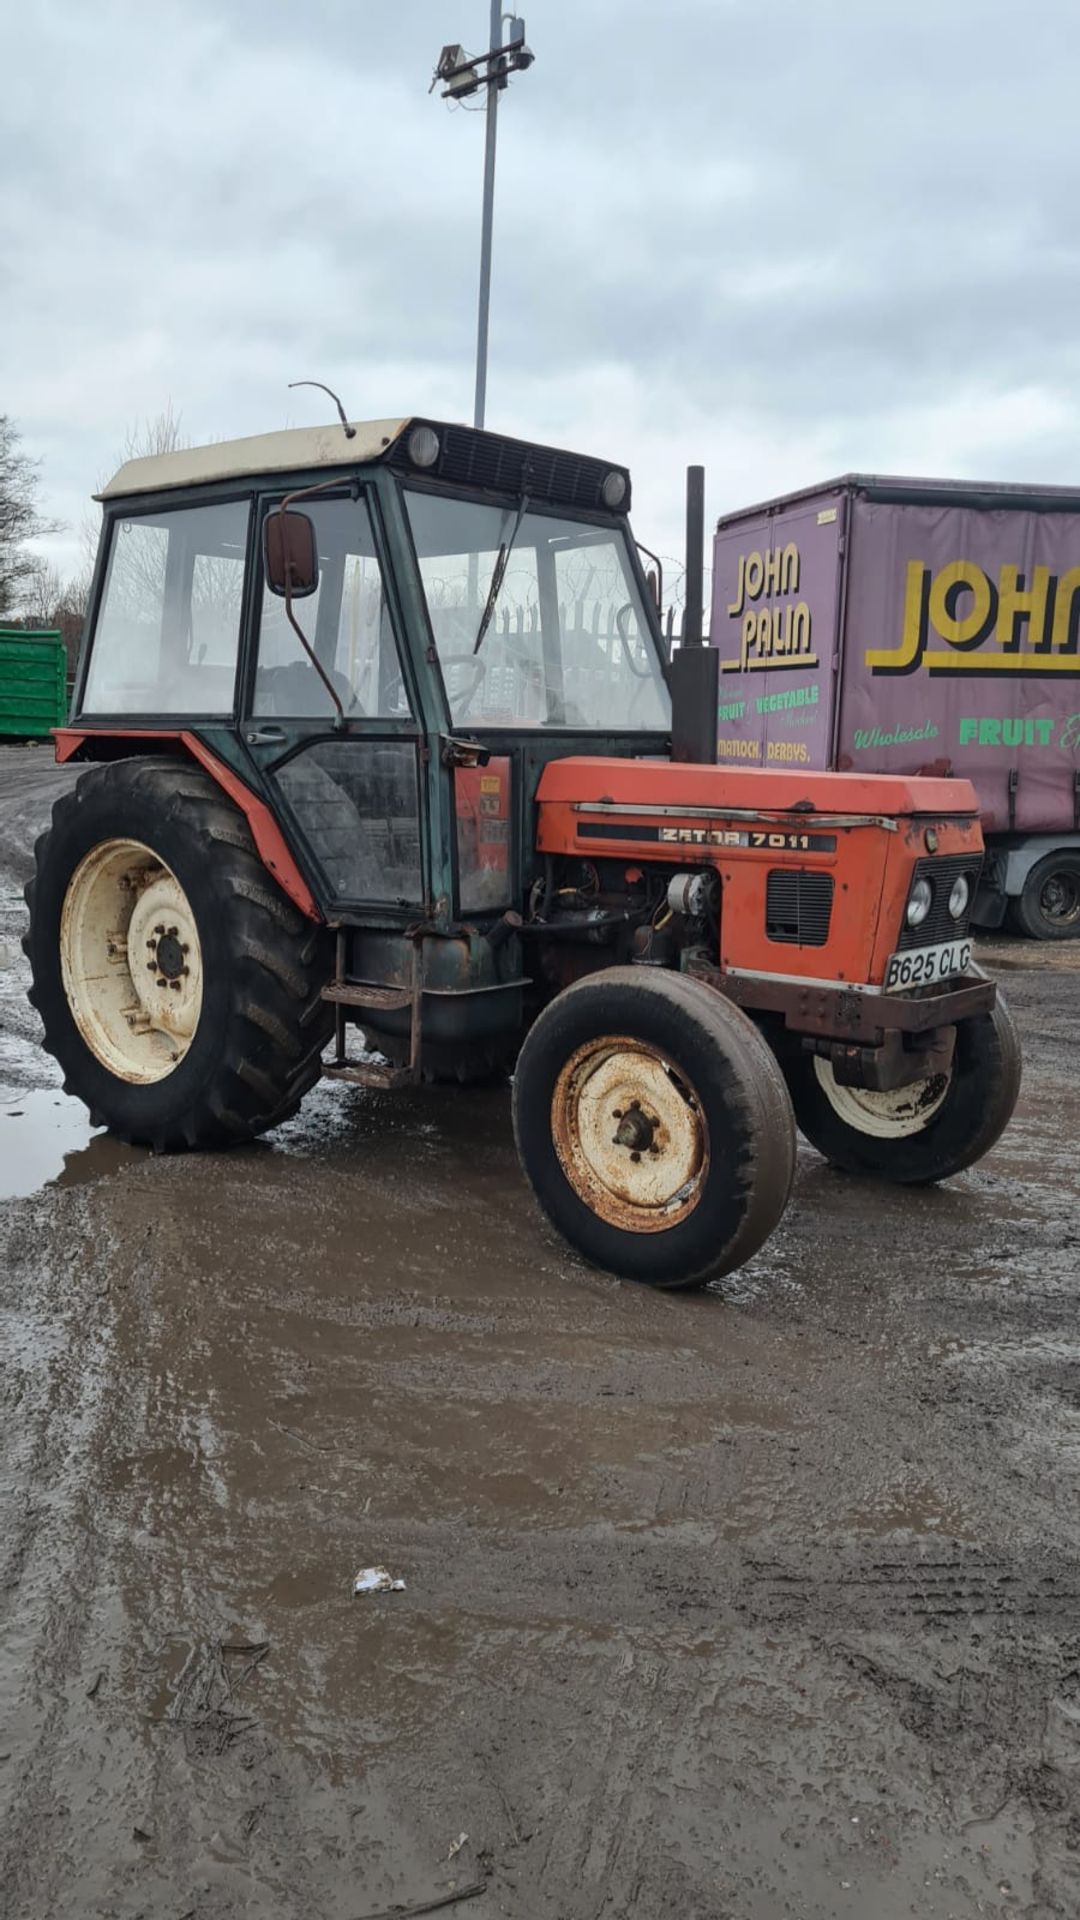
{"x":350,"y":432}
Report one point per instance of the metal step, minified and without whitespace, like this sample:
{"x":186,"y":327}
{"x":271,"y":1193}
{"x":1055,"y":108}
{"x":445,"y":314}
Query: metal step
{"x":344,"y":994}
{"x":364,"y":1074}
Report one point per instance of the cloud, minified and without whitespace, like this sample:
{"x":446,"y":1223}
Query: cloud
{"x":786,"y":241}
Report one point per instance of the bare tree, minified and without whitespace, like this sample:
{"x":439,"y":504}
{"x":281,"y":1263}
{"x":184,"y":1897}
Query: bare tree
{"x":48,"y":601}
{"x":20,"y":520}
{"x":32,"y":591}
{"x":158,"y":433}
{"x":43,"y":593}
{"x":162,"y":434}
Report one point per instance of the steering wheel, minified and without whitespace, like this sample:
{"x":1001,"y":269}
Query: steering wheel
{"x":479,"y":668}
{"x":639,"y":673}
{"x":642,"y":675}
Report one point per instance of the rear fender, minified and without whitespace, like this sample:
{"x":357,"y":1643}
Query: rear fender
{"x":265,"y":832}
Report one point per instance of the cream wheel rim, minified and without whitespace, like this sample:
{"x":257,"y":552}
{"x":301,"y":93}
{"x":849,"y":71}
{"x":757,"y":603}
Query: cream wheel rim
{"x":131,"y":961}
{"x":630,"y":1134}
{"x":884,"y":1116}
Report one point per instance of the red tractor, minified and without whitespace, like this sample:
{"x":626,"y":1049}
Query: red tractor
{"x":383,"y":735}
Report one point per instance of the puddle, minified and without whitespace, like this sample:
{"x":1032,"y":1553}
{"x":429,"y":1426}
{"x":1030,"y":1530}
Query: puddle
{"x":159,"y":1468}
{"x":919,"y":1509}
{"x":46,"y":1140}
{"x":1034,"y":1350}
{"x":175,"y":1658}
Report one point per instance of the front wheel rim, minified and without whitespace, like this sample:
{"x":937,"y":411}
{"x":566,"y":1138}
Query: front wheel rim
{"x":131,"y":961}
{"x":631,"y":1135}
{"x":896,"y":1115}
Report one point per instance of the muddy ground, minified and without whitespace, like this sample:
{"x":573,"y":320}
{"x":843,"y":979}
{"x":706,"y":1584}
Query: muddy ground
{"x":758,"y":1603}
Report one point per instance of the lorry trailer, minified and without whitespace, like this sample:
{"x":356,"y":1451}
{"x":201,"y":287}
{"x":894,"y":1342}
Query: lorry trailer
{"x":886,"y":625}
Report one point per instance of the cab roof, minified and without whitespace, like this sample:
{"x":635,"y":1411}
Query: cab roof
{"x":293,"y":449}
{"x":465,"y":457}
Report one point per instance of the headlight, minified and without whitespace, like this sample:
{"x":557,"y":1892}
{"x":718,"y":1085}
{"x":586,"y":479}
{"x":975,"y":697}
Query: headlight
{"x":423,"y":446}
{"x":959,"y":897}
{"x":613,"y":491}
{"x":920,"y":901}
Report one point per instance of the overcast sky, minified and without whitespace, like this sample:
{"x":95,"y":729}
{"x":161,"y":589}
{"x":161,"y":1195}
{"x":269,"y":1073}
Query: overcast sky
{"x":783,"y":237}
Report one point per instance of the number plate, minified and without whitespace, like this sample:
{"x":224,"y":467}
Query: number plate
{"x":922,"y":966}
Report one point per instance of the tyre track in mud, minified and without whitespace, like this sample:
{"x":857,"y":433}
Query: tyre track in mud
{"x":758,"y":1604}
{"x":50,"y":1560}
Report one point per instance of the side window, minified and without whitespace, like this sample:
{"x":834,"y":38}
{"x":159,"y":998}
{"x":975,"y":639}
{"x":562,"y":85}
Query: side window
{"x":168,"y":627}
{"x":346,"y":622}
{"x":609,"y":668}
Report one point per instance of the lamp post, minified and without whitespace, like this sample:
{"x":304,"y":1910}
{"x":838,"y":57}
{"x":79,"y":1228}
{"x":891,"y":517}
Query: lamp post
{"x":463,"y":77}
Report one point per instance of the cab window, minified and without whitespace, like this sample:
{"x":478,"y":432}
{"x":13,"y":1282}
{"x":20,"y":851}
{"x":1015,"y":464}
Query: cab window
{"x":168,"y":627}
{"x":346,"y":621}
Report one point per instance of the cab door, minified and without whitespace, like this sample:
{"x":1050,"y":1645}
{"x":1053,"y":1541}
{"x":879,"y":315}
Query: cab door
{"x":341,"y":749}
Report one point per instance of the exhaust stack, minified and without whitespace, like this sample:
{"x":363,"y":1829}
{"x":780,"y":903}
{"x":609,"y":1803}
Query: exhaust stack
{"x":694,"y":666}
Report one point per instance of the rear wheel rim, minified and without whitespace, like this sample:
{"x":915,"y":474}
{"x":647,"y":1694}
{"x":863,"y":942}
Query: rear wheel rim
{"x":630,"y":1133}
{"x":884,"y":1116}
{"x":131,"y":961}
{"x":1059,"y":898}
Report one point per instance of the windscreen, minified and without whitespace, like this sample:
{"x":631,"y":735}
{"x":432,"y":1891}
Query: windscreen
{"x":567,"y":641}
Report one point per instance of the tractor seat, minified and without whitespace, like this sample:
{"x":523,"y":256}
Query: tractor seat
{"x":295,"y":692}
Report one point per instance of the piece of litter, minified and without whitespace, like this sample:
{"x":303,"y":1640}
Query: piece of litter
{"x":456,"y":1845}
{"x":377,"y":1580}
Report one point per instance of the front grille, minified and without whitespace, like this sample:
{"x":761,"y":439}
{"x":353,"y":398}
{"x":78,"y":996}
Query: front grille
{"x":798,"y":906}
{"x":468,"y":458}
{"x":939,"y":924}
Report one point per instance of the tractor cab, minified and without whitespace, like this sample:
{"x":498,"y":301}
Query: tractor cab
{"x":468,"y":608}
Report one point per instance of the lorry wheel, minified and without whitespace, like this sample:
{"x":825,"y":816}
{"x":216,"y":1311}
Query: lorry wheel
{"x":179,"y":988}
{"x":924,"y":1132}
{"x":654,"y":1126}
{"x":1049,"y":907}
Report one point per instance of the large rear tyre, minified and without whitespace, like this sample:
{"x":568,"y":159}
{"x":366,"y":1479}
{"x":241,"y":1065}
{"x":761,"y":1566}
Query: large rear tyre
{"x":654,"y":1126}
{"x":179,"y":989}
{"x":1049,"y":906}
{"x":920,"y":1133}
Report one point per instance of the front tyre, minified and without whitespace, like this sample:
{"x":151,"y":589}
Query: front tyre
{"x":180,"y":990}
{"x":924,"y":1132}
{"x":654,"y":1126}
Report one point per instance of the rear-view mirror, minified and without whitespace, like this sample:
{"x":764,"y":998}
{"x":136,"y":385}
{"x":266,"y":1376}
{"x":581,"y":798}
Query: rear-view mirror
{"x":290,"y":554}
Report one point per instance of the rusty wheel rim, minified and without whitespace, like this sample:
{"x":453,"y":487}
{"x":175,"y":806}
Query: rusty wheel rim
{"x":631,"y":1134}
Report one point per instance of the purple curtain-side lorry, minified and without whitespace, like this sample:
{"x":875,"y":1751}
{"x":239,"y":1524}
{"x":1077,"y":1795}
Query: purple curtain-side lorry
{"x":918,"y":626}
